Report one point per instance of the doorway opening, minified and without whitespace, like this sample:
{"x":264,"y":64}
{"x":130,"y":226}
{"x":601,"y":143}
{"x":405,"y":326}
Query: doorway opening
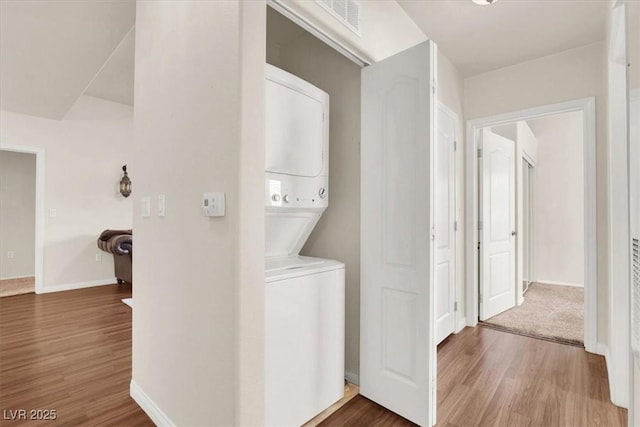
{"x":531,"y":209}
{"x":547,"y":226}
{"x":21,"y":204}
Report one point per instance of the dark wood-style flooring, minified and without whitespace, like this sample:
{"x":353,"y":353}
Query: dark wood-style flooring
{"x":493,"y":378}
{"x":69,"y":352}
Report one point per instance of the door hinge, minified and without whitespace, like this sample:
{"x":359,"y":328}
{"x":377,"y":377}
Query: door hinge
{"x":455,"y":225}
{"x":433,"y":86}
{"x":455,"y":307}
{"x":479,"y":152}
{"x":479,"y":225}
{"x":455,"y":145}
{"x":481,"y":298}
{"x":433,"y":233}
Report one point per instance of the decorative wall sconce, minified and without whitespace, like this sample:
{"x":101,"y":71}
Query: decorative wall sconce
{"x":125,"y":183}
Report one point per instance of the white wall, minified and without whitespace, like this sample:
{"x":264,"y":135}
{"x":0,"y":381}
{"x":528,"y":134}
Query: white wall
{"x":558,"y":200}
{"x":337,"y":234}
{"x":569,"y":75}
{"x":451,"y":93}
{"x":17,"y":214}
{"x":198,"y":321}
{"x":84,"y":155}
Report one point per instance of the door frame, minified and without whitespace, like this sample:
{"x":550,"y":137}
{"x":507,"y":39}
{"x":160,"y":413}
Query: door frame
{"x":39,"y":223}
{"x":587,"y":107}
{"x":459,"y":318}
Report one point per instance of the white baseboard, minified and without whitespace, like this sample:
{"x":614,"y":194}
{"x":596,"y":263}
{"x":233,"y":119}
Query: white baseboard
{"x":352,"y":378}
{"x":551,"y":282}
{"x":80,"y":285}
{"x":603,"y":350}
{"x":158,"y":417}
{"x":462,"y":323}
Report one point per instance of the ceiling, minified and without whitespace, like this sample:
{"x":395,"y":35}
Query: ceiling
{"x":114,"y":81}
{"x":50,"y":51}
{"x":478,"y":39}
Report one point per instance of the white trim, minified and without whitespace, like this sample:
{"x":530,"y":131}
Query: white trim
{"x":587,"y":106}
{"x":554,"y":283}
{"x":39,"y":225}
{"x":602,"y":350}
{"x":79,"y":285}
{"x":319,"y":33}
{"x":154,"y":412}
{"x":352,"y":378}
{"x":462,"y":323}
{"x":618,"y":185}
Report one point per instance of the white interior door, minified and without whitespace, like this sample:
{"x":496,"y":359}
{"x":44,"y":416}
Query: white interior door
{"x":497,"y":241}
{"x":444,"y":211}
{"x":397,"y":345}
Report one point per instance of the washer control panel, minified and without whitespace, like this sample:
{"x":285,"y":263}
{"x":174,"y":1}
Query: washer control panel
{"x":296,"y":192}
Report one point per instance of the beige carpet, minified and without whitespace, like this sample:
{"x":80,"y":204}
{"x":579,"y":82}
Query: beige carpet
{"x":548,"y":311}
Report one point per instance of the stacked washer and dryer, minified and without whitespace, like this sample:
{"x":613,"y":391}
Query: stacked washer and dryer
{"x":304,"y":296}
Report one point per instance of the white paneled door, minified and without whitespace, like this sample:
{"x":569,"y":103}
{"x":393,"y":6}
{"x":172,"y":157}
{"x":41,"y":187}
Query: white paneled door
{"x":397,"y":343}
{"x":445,"y":237}
{"x":498,"y":236}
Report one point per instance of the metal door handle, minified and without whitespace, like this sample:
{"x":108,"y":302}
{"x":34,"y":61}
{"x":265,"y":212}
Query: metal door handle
{"x":513,"y":233}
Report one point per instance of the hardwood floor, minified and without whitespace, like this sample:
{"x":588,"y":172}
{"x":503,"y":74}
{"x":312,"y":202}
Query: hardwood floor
{"x":488,"y":377}
{"x":69,"y":352}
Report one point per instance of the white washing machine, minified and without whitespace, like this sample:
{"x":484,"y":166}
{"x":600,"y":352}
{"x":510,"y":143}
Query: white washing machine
{"x":304,"y":296}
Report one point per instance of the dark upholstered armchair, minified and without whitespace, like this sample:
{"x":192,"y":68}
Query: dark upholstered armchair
{"x":120,"y":244}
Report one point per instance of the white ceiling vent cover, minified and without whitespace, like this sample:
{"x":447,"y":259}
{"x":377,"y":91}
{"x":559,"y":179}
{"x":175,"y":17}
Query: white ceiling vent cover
{"x":345,"y":11}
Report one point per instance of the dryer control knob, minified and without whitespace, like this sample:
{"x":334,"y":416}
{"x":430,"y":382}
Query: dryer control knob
{"x":322,"y":192}
{"x":285,"y":198}
{"x":275,"y":197}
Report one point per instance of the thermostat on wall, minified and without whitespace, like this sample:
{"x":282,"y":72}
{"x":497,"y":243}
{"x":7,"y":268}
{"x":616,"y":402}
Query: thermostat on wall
{"x":213,"y":204}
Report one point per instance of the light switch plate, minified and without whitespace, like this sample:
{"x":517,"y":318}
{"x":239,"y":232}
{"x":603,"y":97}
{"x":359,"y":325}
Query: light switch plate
{"x":161,"y":205}
{"x":145,"y":207}
{"x":213,"y":204}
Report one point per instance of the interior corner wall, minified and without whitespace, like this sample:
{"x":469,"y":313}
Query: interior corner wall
{"x":191,"y":327}
{"x":84,"y":153}
{"x":337,"y":234}
{"x":451,"y":94}
{"x":558,"y":203}
{"x":569,"y":75}
{"x":17,"y":214}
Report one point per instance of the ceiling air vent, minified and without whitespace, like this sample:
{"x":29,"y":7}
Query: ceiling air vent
{"x":345,"y":11}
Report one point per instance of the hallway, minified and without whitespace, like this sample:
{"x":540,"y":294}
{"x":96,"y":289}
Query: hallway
{"x":488,"y":377}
